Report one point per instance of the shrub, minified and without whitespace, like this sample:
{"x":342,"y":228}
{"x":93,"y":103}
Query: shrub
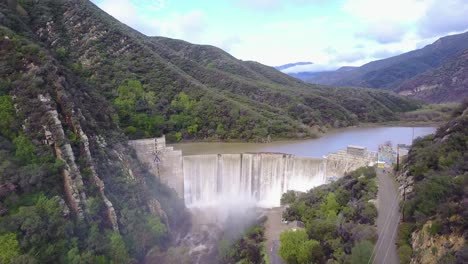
{"x":405,"y":252}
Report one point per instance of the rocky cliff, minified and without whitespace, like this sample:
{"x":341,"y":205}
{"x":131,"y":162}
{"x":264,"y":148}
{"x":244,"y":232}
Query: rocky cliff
{"x":59,"y":138}
{"x":433,"y":184}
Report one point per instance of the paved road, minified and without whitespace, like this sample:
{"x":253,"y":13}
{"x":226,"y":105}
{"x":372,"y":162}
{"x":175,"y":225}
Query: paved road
{"x":274,"y":227}
{"x":387,"y":220}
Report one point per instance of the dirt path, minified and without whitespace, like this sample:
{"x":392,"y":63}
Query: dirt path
{"x":273,"y":229}
{"x":387,"y":220}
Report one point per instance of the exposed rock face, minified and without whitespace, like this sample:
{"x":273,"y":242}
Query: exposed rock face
{"x":73,"y":182}
{"x":99,"y":183}
{"x":428,"y":249}
{"x":406,"y":182}
{"x":155,"y":208}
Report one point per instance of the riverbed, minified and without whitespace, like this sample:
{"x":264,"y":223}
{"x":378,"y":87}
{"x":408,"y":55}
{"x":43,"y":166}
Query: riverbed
{"x":369,"y":137}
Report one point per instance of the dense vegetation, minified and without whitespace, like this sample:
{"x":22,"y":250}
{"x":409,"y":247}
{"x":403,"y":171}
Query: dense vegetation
{"x":248,"y":248}
{"x":145,"y":78}
{"x":438,"y":166}
{"x":435,"y":113}
{"x":39,"y":222}
{"x":339,"y":221}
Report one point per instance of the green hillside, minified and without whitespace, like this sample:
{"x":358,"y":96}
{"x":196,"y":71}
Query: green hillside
{"x":434,"y":184}
{"x":189,"y":91}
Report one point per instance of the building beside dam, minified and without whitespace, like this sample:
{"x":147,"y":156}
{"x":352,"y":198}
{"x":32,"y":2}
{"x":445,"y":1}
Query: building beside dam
{"x":260,"y":178}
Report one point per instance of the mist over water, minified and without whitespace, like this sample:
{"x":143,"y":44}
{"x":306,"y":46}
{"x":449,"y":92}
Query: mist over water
{"x":250,"y":179}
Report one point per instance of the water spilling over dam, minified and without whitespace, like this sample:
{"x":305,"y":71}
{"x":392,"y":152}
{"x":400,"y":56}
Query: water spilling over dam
{"x":256,"y":179}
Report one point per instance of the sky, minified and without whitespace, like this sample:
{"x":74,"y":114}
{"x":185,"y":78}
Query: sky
{"x":329,"y":33}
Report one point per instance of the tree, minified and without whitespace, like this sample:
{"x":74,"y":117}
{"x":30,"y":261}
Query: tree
{"x":361,"y":252}
{"x":118,"y":250}
{"x":9,"y":247}
{"x":330,"y":207}
{"x":290,"y":241}
{"x":322,"y":229}
{"x":309,"y":252}
{"x":7,"y":116}
{"x":404,"y":252}
{"x":158,"y":229}
{"x":24,"y":149}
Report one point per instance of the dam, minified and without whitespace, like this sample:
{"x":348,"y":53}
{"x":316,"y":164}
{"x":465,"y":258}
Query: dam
{"x":255,"y":178}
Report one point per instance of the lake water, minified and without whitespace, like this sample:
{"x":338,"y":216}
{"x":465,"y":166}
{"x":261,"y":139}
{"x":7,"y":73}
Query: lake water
{"x":369,"y":137}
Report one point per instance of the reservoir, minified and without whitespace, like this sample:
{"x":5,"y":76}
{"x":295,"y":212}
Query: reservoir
{"x":369,"y":137}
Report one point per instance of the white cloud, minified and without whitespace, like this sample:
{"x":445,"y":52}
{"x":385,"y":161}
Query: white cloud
{"x":444,"y":17}
{"x":229,"y":42}
{"x":350,"y":57}
{"x":311,"y":68}
{"x":386,"y":10}
{"x":385,"y":21}
{"x":150,"y":5}
{"x":383,"y":32}
{"x":274,"y":5}
{"x":188,"y":26}
{"x":123,"y":10}
{"x":384,"y":53}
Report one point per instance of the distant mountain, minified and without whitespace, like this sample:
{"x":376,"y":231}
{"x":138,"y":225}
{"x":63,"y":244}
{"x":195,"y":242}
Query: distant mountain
{"x":390,"y":73}
{"x":308,"y":75}
{"x":290,"y":65}
{"x":303,"y":75}
{"x":447,"y":83}
{"x":346,"y":68}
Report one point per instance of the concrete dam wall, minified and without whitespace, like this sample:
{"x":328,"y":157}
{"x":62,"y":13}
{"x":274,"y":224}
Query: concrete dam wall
{"x":162,"y":161}
{"x":255,"y":178}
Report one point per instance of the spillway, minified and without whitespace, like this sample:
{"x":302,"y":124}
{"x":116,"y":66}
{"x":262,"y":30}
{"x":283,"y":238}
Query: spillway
{"x":250,"y":178}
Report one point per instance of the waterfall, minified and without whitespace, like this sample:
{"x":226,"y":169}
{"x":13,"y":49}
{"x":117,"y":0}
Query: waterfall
{"x":250,"y":178}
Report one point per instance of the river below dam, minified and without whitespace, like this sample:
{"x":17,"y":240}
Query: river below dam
{"x":369,"y":137}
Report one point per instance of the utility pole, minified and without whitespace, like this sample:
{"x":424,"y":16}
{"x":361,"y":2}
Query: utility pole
{"x":398,"y":158}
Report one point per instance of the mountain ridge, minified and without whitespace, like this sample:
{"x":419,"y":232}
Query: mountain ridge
{"x":410,"y":74}
{"x":388,"y":74}
{"x":247,"y":94}
{"x":447,"y":83}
